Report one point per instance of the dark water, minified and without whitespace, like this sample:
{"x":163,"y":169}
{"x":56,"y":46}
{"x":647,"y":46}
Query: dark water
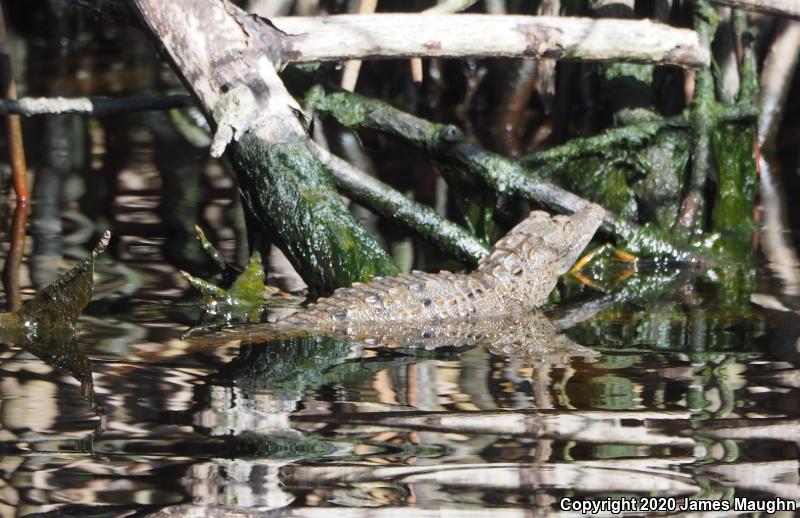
{"x":693,"y":393}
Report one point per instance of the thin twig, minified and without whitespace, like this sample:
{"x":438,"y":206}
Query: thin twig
{"x":442,"y":7}
{"x":353,"y":67}
{"x":450,"y":6}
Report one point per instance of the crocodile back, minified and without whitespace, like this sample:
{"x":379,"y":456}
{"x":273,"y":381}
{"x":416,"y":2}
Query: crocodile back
{"x":414,"y":297}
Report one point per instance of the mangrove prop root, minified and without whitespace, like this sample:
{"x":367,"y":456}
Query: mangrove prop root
{"x":228,"y":60}
{"x":386,"y":201}
{"x":293,"y":197}
{"x":448,"y":146}
{"x":703,"y":120}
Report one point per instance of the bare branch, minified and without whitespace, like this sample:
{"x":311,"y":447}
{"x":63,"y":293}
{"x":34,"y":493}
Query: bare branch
{"x":780,"y":7}
{"x":453,"y":35}
{"x":97,"y":106}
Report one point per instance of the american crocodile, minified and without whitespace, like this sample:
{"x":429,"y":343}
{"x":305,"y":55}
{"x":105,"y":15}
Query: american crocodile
{"x":516,"y":277}
{"x":493,"y":306}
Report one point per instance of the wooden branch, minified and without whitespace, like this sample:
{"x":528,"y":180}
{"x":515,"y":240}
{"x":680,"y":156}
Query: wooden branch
{"x":776,"y":79}
{"x":450,"y":148}
{"x":16,"y":252}
{"x":450,"y":6}
{"x":454,"y":35}
{"x":96,"y":106}
{"x":780,"y":7}
{"x":693,"y":206}
{"x":353,"y":67}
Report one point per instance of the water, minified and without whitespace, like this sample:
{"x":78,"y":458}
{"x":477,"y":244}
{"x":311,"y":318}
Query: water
{"x":693,"y":393}
{"x":688,"y":398}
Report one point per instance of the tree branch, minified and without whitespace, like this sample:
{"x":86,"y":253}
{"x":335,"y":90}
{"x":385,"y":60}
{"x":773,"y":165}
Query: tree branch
{"x":454,"y":35}
{"x":96,"y":106}
{"x":779,"y":7}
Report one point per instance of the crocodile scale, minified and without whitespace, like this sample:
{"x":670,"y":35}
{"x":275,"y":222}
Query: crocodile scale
{"x":517,"y":276}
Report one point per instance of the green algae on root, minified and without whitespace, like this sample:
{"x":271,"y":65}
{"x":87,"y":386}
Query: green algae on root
{"x":292,"y":196}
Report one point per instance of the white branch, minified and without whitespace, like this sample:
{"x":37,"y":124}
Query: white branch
{"x":97,"y":106}
{"x":781,"y":7}
{"x":343,"y":37}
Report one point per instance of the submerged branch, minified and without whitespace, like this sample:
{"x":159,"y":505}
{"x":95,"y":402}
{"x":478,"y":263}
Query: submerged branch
{"x":96,"y":106}
{"x":453,"y":35}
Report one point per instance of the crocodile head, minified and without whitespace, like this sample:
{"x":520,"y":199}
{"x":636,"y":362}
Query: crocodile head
{"x":571,"y":234}
{"x":526,"y":263}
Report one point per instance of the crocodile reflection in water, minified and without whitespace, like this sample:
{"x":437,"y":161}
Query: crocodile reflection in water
{"x":492,"y":306}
